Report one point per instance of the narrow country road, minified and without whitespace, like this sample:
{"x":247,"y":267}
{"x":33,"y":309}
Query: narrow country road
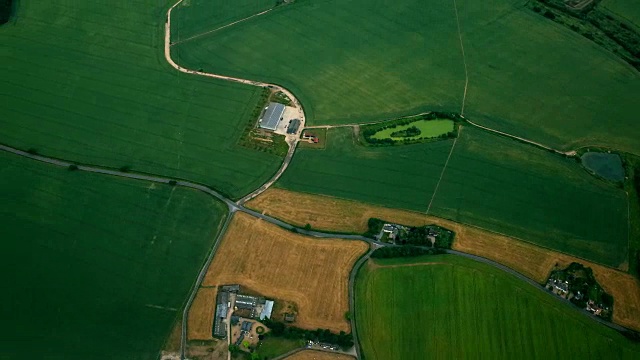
{"x":233,"y":207}
{"x":199,"y":280}
{"x":294,"y":101}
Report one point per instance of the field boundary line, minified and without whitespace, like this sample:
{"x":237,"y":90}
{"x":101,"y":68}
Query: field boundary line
{"x":220,"y":28}
{"x":435,"y":191}
{"x":233,"y":207}
{"x":198,"y":282}
{"x":464,"y":58}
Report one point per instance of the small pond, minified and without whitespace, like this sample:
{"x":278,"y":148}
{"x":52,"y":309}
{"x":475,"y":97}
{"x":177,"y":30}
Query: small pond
{"x":605,"y":165}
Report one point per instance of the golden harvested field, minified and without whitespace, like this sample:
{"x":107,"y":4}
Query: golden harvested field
{"x":318,"y":355}
{"x":333,"y":214}
{"x":200,"y":322}
{"x":312,"y":273}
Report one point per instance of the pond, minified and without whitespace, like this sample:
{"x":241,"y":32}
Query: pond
{"x":605,"y":165}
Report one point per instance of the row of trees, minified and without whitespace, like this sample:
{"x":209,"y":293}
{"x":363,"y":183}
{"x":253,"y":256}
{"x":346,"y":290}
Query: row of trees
{"x":404,"y":251}
{"x":6,"y":8}
{"x":420,"y":236}
{"x":409,"y":132}
{"x":343,"y":340}
{"x":415,"y":235}
{"x":596,"y":25}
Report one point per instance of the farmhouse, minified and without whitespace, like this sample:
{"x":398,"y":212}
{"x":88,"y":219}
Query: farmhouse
{"x":309,"y":136}
{"x":391,"y":230}
{"x":272,"y":116}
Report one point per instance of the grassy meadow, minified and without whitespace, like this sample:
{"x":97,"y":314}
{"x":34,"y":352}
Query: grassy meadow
{"x":361,"y":60}
{"x":428,"y":128}
{"x":492,"y":182}
{"x":95,"y":267}
{"x":87,"y":81}
{"x":455,"y":308}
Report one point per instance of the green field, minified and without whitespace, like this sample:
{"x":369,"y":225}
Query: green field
{"x":625,"y":9}
{"x":456,"y":308}
{"x":428,"y":129}
{"x":87,"y":81}
{"x":492,"y":182}
{"x":194,"y":17}
{"x":397,"y":176}
{"x":95,"y":267}
{"x":362,"y":60}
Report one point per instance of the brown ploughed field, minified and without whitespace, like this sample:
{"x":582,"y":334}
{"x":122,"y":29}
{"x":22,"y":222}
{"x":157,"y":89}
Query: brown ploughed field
{"x":333,"y":214}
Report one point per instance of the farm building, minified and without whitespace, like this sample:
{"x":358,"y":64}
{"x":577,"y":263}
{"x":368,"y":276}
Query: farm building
{"x":309,"y":136}
{"x":266,"y":310}
{"x":222,"y":307}
{"x":246,"y":326}
{"x":293,"y":126}
{"x":272,"y":116}
{"x":231,"y":288}
{"x":248,"y":302}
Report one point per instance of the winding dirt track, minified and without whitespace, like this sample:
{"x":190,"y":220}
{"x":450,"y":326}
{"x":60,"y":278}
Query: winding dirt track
{"x":292,"y":143}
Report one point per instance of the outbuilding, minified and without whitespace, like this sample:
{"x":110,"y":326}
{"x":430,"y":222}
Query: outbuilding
{"x":272,"y":116}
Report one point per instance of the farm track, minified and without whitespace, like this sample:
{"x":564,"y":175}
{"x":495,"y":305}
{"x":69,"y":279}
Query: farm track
{"x":238,"y":206}
{"x":233,"y":207}
{"x":485,"y":128}
{"x":294,"y":100}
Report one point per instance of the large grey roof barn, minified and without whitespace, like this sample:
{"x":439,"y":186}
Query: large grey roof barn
{"x":272,"y":116}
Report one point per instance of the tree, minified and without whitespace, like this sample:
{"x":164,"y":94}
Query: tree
{"x":125,"y":168}
{"x":549,"y":15}
{"x":173,"y":182}
{"x":307,"y":227}
{"x":347,"y":316}
{"x":233,"y":348}
{"x":72,"y":167}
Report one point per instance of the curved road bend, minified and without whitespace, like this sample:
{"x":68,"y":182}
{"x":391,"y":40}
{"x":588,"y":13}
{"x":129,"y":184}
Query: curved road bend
{"x":233,"y":207}
{"x":294,"y":100}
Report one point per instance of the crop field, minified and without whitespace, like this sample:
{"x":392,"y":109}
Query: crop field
{"x":197,"y":17}
{"x":201,"y":313}
{"x":521,"y":191}
{"x":279,"y":264}
{"x":428,"y":128}
{"x":456,"y":308}
{"x":398,"y":176}
{"x":625,"y":9}
{"x":338,"y":215}
{"x":527,"y":75}
{"x":87,"y":81}
{"x":95,"y":267}
{"x":318,"y":355}
{"x":491,"y":182}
